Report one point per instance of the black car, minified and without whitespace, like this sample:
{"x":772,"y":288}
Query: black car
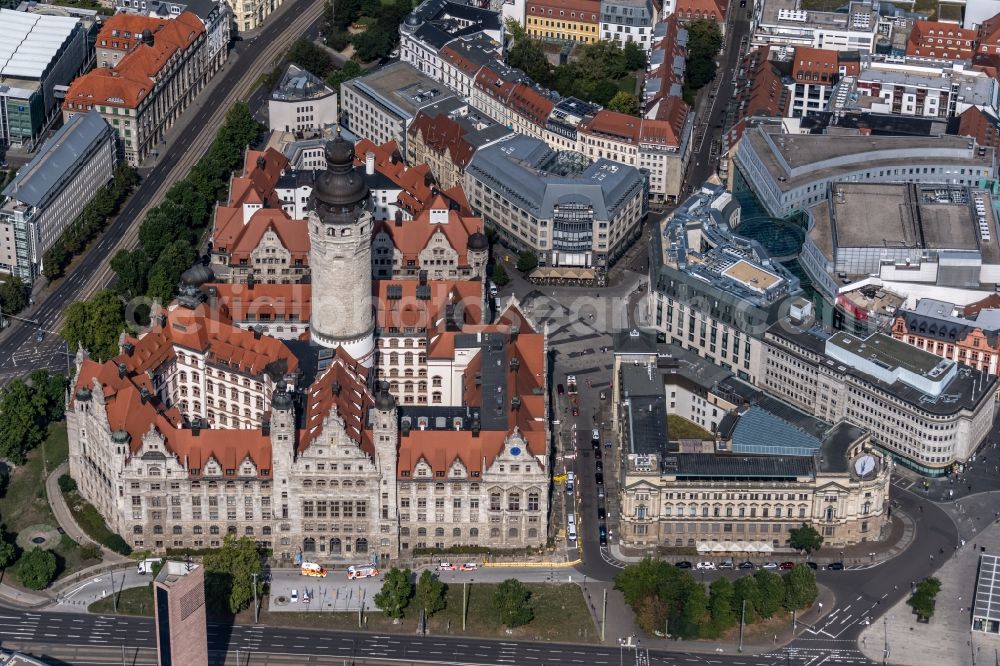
{"x":683,"y":564}
{"x":600,"y":513}
{"x":599,"y":465}
{"x":835,"y":566}
{"x":602,"y":535}
{"x":599,"y":478}
{"x":597,"y":453}
{"x":746,"y":565}
{"x":812,"y":565}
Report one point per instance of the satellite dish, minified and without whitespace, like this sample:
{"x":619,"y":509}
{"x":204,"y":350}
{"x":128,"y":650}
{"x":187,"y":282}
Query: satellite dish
{"x":864,"y":465}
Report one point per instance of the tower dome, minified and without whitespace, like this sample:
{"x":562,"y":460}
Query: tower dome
{"x":384,"y":400}
{"x":281,"y":401}
{"x":197,"y":275}
{"x":478,"y":241}
{"x":340,"y":187}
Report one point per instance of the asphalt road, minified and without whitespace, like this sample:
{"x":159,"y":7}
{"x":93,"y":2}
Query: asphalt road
{"x":250,"y":59}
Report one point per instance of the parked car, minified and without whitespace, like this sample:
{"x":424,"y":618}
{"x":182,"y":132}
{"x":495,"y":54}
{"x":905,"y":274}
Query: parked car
{"x":597,"y":454}
{"x":600,"y":492}
{"x":576,"y":411}
{"x":706,"y":566}
{"x":607,"y":443}
{"x":769,"y":565}
{"x":599,"y":478}
{"x":683,"y":564}
{"x":599,"y":466}
{"x":746,"y":565}
{"x":786,"y":566}
{"x":295,"y":597}
{"x":727,"y":564}
{"x":469,"y":566}
{"x":447,"y":566}
{"x":602,"y":535}
{"x":601,"y":513}
{"x":835,"y":566}
{"x":812,"y":565}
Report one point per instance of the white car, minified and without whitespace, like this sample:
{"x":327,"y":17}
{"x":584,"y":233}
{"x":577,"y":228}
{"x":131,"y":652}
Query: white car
{"x":769,"y":565}
{"x":469,"y":566}
{"x":295,"y":596}
{"x":705,"y":566}
{"x":447,"y":566}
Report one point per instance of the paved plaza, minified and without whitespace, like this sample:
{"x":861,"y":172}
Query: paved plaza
{"x":947,"y":640}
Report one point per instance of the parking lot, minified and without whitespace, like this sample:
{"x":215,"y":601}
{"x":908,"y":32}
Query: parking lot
{"x":333,"y":593}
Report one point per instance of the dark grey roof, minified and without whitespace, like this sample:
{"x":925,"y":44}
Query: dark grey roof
{"x":988,"y":589}
{"x":434,"y":35}
{"x":838,"y":441}
{"x":646,"y":424}
{"x":203,"y":8}
{"x":538,"y":178}
{"x":59,"y":158}
{"x":634,"y":342}
{"x":720,"y":466}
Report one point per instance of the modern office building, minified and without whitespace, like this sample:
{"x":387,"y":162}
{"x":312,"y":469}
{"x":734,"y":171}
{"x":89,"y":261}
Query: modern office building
{"x":301,"y":102}
{"x":51,"y":190}
{"x":39,"y":54}
{"x":381,"y":105}
{"x":929,"y":413}
{"x":765,"y":468}
{"x":179,"y":614}
{"x":791,"y":172}
{"x":713,"y":291}
{"x":783,"y":23}
{"x":569,"y":210}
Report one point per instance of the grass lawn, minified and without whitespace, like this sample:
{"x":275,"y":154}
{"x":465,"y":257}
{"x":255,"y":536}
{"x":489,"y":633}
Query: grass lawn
{"x":88,"y":518}
{"x":131,"y":601}
{"x":628,"y":83}
{"x":679,"y":427}
{"x":823,"y":5}
{"x":560,"y":615}
{"x":26,"y":503}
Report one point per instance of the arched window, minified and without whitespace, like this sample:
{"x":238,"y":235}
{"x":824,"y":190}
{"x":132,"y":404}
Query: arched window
{"x":335,"y":546}
{"x":177,"y":529}
{"x":157,"y":529}
{"x":512,"y":533}
{"x":137,"y":529}
{"x":361,"y":545}
{"x":494,"y":532}
{"x":309,"y":545}
{"x":421,"y":531}
{"x":214,"y":529}
{"x":439,"y":531}
{"x":197,"y":529}
{"x":532,"y":533}
{"x":456,"y":532}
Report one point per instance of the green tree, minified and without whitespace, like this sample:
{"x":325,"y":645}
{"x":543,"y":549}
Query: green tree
{"x":4,"y":482}
{"x":132,"y":269}
{"x":350,"y":70}
{"x":720,"y":607}
{"x":695,"y":614}
{"x":430,"y":593}
{"x":315,"y":59}
{"x":372,"y":44}
{"x":635,"y":57}
{"x":704,"y":42}
{"x":805,"y":538}
{"x":527,"y":261}
{"x":229,"y":575}
{"x":36,"y":568}
{"x":800,"y":587}
{"x":396,"y":592}
{"x":90,"y":551}
{"x":21,"y":425}
{"x":55,"y":261}
{"x":623,"y":102}
{"x":512,"y":600}
{"x":13,"y":295}
{"x":924,"y":598}
{"x":771,"y":590}
{"x":165,"y":275}
{"x":8,"y":548}
{"x":66,"y":483}
{"x":499,"y":275}
{"x":96,"y":324}
{"x":651,"y":614}
{"x":528,"y":55}
{"x":745,"y":589}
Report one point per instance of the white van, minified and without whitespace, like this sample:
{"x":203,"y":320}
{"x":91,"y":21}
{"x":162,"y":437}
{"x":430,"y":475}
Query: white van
{"x":570,"y":482}
{"x":571,"y":527}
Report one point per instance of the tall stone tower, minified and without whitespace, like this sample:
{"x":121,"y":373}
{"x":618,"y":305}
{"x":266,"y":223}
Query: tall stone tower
{"x":340,"y":230}
{"x":386,"y":434}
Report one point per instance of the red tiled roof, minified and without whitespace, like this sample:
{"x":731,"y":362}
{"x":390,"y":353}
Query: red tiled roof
{"x":232,"y":238}
{"x":411,"y":237}
{"x":261,"y":170}
{"x":342,"y":390}
{"x":444,"y":136}
{"x":581,"y":11}
{"x":694,"y":9}
{"x":416,"y":193}
{"x":666,"y":129}
{"x":978,"y":124}
{"x":264,"y":302}
{"x":936,"y":39}
{"x":409,"y":311}
{"x":815,"y":66}
{"x":527,"y":102}
{"x":972,"y":310}
{"x":988,"y":37}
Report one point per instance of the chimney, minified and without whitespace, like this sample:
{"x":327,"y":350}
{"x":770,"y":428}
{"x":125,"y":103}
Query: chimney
{"x":422,"y":278}
{"x":399,"y":218}
{"x":122,"y":370}
{"x":161,"y":319}
{"x":476,"y":426}
{"x":129,"y":348}
{"x":251,"y":281}
{"x":258,"y":331}
{"x":144,"y":395}
{"x":428,"y":179}
{"x":261,"y":162}
{"x":336,"y":388}
{"x":370,"y":163}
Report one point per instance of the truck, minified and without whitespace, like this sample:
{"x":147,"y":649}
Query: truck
{"x":571,"y":384}
{"x":312,"y":569}
{"x":146,"y":566}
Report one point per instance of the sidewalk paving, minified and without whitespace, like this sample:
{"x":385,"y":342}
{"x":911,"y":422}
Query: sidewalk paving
{"x":65,"y":517}
{"x":946,"y":640}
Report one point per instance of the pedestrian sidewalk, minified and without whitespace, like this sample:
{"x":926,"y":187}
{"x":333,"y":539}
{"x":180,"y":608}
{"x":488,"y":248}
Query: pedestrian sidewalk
{"x":621,"y":625}
{"x":65,"y":517}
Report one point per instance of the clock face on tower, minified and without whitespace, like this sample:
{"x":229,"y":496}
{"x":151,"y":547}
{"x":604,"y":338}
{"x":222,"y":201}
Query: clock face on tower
{"x":865,"y":465}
